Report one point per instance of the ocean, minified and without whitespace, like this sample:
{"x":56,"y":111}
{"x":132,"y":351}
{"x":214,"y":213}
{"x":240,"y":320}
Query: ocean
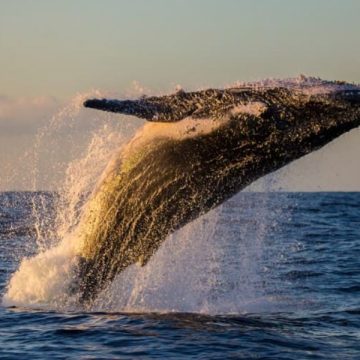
{"x":265,"y":276}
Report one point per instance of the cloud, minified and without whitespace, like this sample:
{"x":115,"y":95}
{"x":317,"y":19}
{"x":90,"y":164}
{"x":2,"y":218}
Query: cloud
{"x":24,"y":115}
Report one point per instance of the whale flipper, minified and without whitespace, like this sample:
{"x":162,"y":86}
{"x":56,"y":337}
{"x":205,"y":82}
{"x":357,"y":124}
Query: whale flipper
{"x":211,"y":103}
{"x":139,"y":108}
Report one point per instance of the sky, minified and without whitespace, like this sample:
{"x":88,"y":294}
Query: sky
{"x":52,"y":50}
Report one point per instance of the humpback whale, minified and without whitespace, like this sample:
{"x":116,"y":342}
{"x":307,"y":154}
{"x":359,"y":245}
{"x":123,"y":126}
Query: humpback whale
{"x":204,"y":147}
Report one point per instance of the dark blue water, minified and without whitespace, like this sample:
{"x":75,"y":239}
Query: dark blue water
{"x":310,"y":269}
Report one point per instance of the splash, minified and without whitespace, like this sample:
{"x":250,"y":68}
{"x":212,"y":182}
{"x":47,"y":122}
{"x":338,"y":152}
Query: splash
{"x":198,"y":268}
{"x":43,"y":280}
{"x":213,"y":265}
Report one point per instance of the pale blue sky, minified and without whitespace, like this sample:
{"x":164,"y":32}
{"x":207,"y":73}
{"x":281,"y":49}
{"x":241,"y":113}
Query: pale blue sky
{"x":60,"y":47}
{"x":53,"y":49}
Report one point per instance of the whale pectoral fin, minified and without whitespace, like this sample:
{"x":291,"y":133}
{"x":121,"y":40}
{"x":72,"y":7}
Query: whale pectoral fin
{"x":203,"y":104}
{"x":116,"y":106}
{"x":167,"y":108}
{"x":142,"y":108}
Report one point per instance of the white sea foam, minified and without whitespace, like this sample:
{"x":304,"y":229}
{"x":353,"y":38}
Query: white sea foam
{"x":44,"y":280}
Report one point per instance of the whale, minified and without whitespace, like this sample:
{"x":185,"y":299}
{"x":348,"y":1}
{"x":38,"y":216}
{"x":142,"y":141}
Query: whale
{"x":196,"y":150}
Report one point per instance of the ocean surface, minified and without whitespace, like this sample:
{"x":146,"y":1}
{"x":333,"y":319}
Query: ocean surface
{"x":285,"y":284}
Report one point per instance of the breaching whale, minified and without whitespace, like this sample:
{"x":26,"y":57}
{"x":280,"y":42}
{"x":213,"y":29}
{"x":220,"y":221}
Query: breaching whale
{"x":206,"y":146}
